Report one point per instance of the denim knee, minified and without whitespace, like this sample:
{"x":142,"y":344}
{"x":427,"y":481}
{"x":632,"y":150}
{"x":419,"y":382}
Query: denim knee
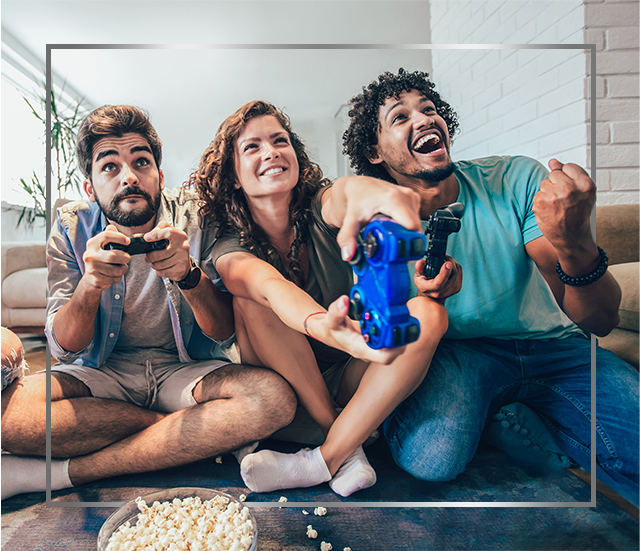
{"x":432,"y":467}
{"x":426,"y":456}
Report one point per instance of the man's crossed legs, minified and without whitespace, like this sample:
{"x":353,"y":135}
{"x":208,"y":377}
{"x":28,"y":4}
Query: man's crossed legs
{"x":435,"y":432}
{"x":231,"y":406}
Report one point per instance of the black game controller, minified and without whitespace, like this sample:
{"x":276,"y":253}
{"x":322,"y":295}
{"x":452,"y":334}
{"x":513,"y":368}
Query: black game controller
{"x":440,"y":225}
{"x":138,"y":245}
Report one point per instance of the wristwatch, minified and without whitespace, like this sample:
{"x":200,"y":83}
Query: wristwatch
{"x":192,"y":279}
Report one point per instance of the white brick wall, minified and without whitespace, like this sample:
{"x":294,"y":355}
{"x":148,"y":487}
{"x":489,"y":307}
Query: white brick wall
{"x":533,"y":101}
{"x":513,"y":101}
{"x":613,"y":27}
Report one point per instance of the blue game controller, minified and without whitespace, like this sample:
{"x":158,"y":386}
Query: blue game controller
{"x":379,"y":298}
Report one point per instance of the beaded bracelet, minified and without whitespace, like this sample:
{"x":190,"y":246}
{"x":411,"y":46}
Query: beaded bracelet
{"x":588,"y":279}
{"x":304,"y":323}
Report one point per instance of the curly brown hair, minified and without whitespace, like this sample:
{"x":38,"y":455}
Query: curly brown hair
{"x":362,"y":134}
{"x":226,"y":205}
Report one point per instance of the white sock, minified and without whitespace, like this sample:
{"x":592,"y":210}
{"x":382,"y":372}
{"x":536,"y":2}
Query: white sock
{"x":21,"y":475}
{"x":267,"y":471}
{"x":241,"y":453}
{"x":355,"y":474}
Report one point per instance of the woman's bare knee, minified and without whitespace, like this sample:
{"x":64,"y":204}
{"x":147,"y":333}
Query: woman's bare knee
{"x":433,"y":317}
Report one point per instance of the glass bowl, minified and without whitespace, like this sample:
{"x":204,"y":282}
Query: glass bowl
{"x":129,"y":511}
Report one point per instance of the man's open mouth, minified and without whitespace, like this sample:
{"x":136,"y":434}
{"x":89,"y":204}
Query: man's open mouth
{"x":429,"y":143}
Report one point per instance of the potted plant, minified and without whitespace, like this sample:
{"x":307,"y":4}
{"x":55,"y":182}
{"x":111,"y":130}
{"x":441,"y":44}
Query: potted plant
{"x":65,"y":121}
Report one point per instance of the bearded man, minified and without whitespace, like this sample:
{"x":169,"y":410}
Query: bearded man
{"x":140,"y":334}
{"x":515,"y":362}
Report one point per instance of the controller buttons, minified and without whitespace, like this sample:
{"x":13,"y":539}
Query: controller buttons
{"x":402,"y":249}
{"x":397,"y":336}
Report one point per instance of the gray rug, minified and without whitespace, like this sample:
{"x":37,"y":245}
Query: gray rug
{"x":28,"y":524}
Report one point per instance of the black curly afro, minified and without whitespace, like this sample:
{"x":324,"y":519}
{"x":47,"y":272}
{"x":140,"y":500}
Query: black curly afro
{"x":361,"y":135}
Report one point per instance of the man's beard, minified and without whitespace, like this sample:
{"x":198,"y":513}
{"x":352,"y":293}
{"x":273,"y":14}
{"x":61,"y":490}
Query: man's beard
{"x":134,"y":217}
{"x":436,"y":175}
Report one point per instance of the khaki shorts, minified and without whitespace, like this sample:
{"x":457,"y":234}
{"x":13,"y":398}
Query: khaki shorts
{"x":166,"y":388}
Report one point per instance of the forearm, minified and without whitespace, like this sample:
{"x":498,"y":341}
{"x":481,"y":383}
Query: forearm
{"x":212,"y":308}
{"x":335,"y":201}
{"x":594,"y":307}
{"x":74,"y":323}
{"x":290,"y":303}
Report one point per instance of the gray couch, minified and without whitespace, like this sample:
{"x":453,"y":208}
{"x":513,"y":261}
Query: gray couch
{"x":24,"y":286}
{"x":617,"y":229}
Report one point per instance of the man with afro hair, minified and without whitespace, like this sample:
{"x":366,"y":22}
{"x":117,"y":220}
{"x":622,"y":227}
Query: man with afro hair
{"x":515,"y":364}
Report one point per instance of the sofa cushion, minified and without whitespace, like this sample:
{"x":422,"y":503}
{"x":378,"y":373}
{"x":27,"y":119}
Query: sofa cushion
{"x":23,"y":317}
{"x":623,"y":343}
{"x":627,"y":277}
{"x":25,"y":289}
{"x":617,"y":232}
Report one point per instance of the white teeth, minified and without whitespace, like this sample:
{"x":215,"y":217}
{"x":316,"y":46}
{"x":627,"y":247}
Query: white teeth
{"x":273,"y":171}
{"x":425,"y":139}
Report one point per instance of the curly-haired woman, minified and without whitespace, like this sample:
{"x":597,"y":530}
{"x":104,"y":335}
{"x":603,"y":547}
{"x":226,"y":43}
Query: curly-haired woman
{"x":277,"y":253}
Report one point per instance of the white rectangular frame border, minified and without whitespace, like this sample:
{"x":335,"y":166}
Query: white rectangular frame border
{"x":590,"y":47}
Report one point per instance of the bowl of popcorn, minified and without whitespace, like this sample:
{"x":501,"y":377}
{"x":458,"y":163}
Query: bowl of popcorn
{"x":180,"y":519}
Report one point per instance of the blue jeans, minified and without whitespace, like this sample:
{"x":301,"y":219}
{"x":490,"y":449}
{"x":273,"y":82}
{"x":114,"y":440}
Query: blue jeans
{"x":435,"y":432}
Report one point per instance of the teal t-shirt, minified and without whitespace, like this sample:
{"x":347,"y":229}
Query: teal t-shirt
{"x":503,"y":293}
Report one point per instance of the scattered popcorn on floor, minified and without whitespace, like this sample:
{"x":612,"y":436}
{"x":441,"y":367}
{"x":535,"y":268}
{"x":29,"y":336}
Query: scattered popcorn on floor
{"x":187,"y":523}
{"x":324,"y":546}
{"x":282,"y":499}
{"x":320,"y":511}
{"x":311,"y":533}
{"x":347,"y":549}
{"x":219,"y":459}
{"x":305,"y":512}
{"x":242,"y":497}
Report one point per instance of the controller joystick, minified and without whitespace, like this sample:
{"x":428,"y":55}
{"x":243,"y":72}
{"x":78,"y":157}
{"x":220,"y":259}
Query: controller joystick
{"x":379,"y":298}
{"x":440,"y":225}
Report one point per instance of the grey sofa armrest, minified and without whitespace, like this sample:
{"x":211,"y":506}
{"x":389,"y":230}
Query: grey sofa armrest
{"x":617,"y":230}
{"x":22,"y":256}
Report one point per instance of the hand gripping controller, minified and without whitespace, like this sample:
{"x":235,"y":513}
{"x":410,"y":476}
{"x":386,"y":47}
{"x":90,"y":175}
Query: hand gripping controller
{"x":379,"y":298}
{"x":138,"y":245}
{"x":441,"y":223}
